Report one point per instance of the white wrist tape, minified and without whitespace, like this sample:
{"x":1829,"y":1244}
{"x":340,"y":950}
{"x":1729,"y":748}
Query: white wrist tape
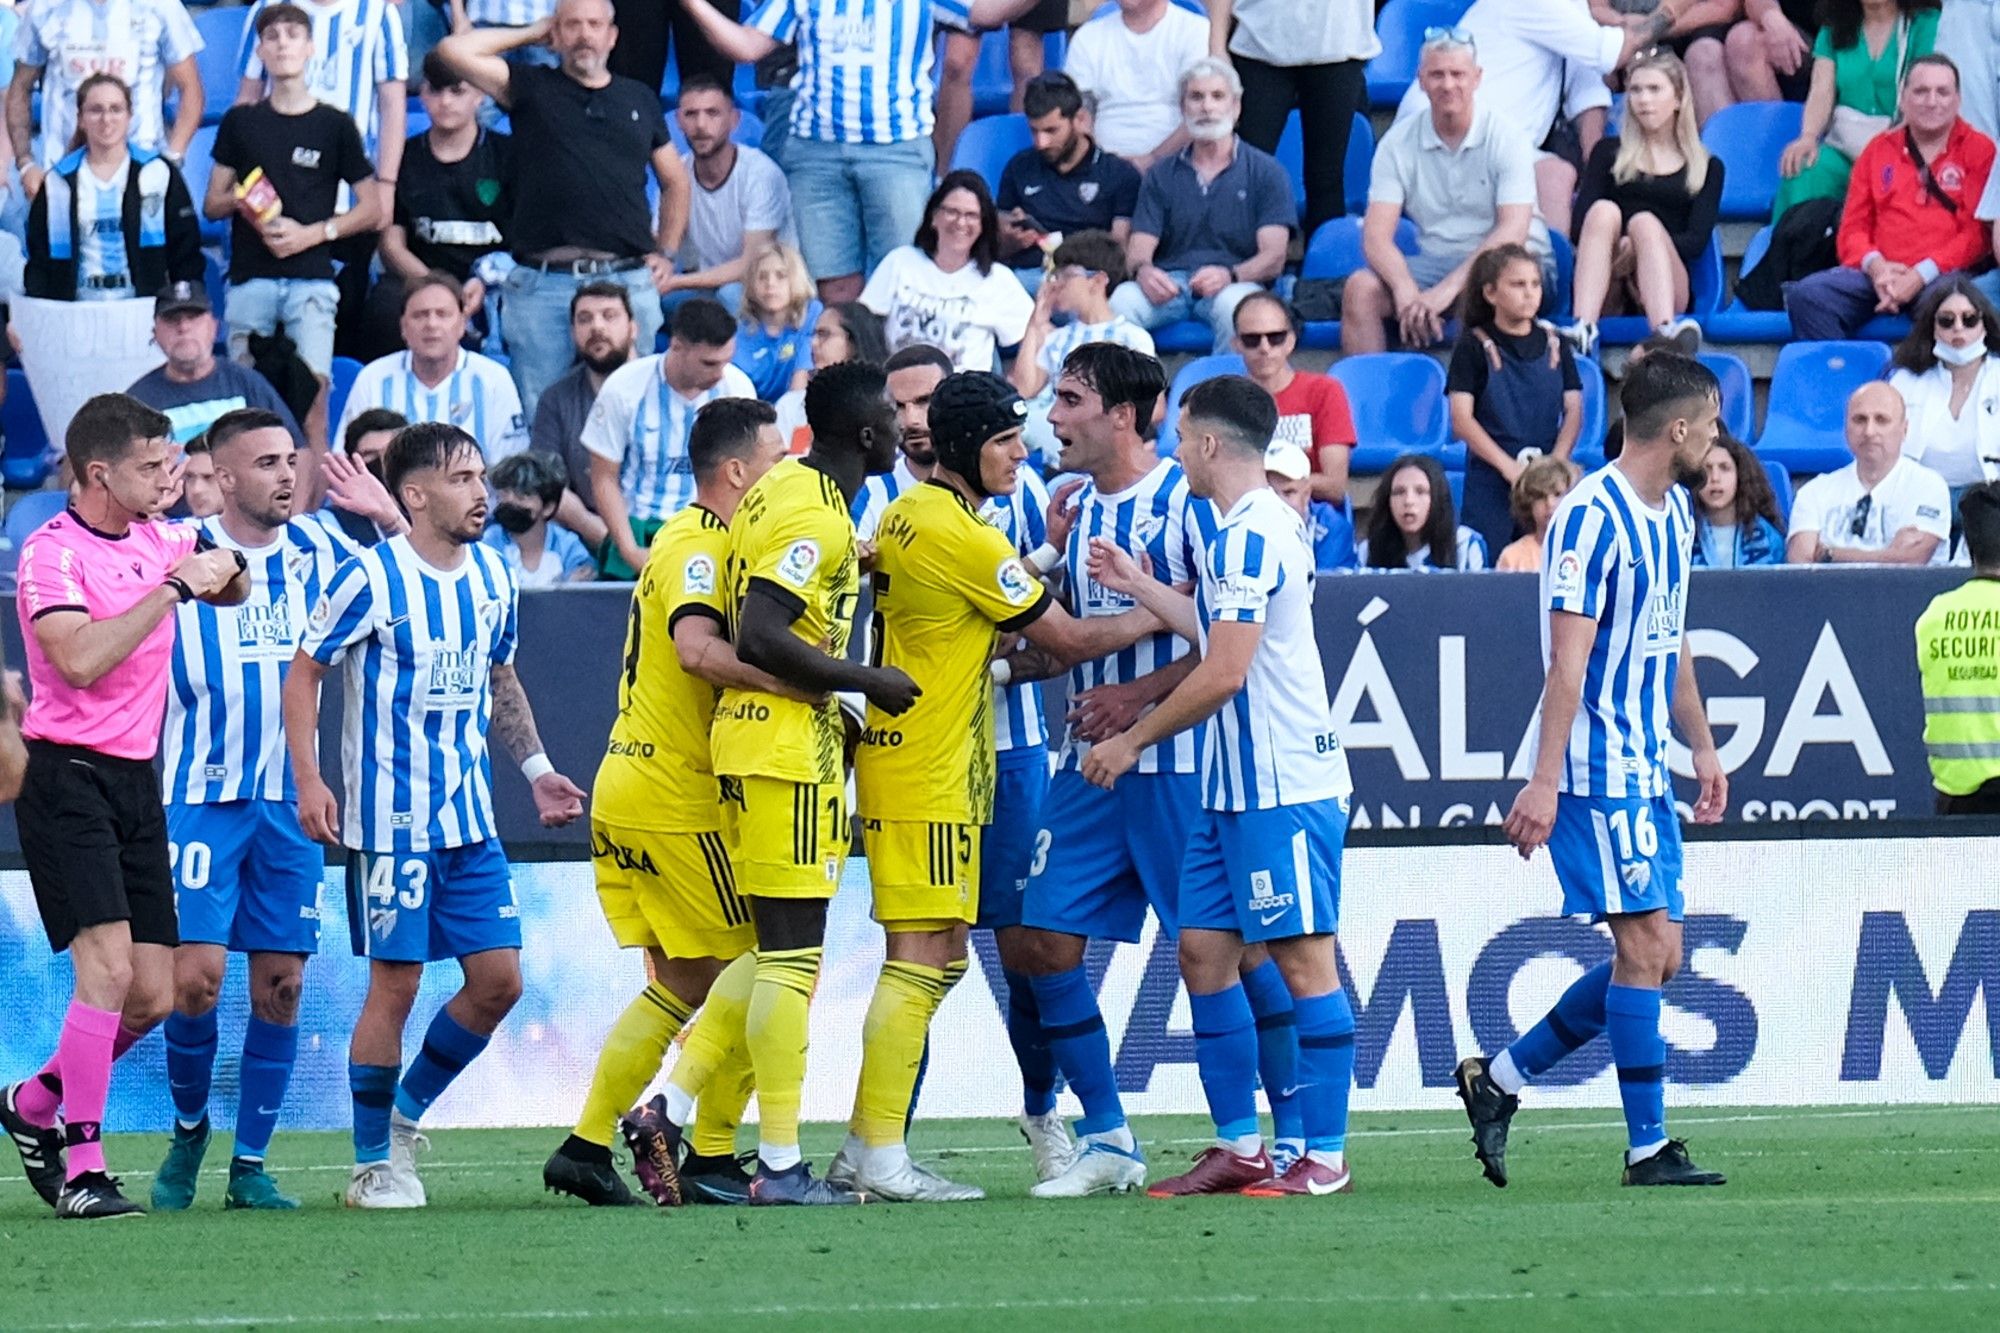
{"x":535,"y":765}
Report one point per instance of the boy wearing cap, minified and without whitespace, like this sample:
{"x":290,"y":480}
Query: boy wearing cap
{"x":945,"y":582}
{"x":1329,"y":531}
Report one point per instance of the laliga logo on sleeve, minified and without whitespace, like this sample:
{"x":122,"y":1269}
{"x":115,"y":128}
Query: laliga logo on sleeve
{"x":698,"y":577}
{"x":1566,"y":579}
{"x":1016,"y":584}
{"x":799,"y":563}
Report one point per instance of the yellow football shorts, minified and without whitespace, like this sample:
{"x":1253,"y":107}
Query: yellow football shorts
{"x":790,"y":837}
{"x":672,"y":891}
{"x":922,"y":871}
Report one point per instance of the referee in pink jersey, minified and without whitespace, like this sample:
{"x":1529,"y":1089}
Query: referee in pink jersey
{"x":98,"y":588}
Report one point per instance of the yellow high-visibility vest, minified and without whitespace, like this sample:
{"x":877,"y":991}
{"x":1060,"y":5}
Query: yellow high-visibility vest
{"x":1958,"y":656}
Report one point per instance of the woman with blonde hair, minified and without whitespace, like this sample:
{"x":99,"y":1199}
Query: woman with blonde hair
{"x":1647,"y":205}
{"x":1537,"y":491}
{"x":774,"y":340}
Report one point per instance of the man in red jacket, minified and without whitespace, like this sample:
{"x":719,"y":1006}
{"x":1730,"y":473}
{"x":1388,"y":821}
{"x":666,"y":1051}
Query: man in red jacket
{"x":1909,"y":216}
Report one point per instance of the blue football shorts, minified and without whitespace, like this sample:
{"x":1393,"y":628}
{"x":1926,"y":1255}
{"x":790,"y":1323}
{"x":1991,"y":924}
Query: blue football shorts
{"x":1617,"y":855}
{"x":245,"y":876}
{"x":421,"y":907}
{"x":1007,"y":852}
{"x":1265,"y":874}
{"x":1103,"y":856}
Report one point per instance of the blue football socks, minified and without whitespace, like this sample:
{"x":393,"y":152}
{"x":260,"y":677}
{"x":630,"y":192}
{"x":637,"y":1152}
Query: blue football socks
{"x":1075,"y":1032}
{"x":1277,"y":1050}
{"x":447,"y":1049}
{"x":269,"y":1052}
{"x":1225,"y":1052}
{"x":1632,"y":1017}
{"x":1031,"y":1045}
{"x":1577,"y":1017}
{"x":1326,"y":1068}
{"x":190,"y":1064}
{"x":373,"y":1088}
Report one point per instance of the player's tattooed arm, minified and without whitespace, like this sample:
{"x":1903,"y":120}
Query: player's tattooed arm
{"x":1031,"y":663}
{"x":513,"y":719}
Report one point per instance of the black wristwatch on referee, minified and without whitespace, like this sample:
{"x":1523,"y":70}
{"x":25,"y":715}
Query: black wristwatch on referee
{"x":180,"y":586}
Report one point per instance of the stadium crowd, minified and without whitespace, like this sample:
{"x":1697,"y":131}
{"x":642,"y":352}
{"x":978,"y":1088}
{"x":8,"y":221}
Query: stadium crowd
{"x":519,"y":219}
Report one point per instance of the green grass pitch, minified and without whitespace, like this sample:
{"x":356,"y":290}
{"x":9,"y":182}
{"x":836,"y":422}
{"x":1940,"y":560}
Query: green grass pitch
{"x":1875,"y":1218}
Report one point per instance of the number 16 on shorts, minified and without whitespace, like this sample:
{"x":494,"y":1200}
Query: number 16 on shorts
{"x":1616,"y":855}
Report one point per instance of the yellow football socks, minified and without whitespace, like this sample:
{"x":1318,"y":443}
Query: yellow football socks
{"x":776,"y":1031}
{"x":631,"y":1057}
{"x":892,"y":1046}
{"x":720,"y":1110}
{"x":718,"y":1033}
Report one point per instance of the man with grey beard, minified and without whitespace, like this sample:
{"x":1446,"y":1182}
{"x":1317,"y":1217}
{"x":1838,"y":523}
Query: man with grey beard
{"x":1213,"y":220}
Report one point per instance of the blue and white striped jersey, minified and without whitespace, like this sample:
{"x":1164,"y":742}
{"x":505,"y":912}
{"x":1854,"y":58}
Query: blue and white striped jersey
{"x":357,"y":45}
{"x":224,"y":738}
{"x":1273,"y":744}
{"x":1624,"y":564}
{"x":70,"y":40}
{"x":1157,"y":515}
{"x":876,"y":493}
{"x":641,"y":423}
{"x":478,"y":397}
{"x":419,"y":646}
{"x":508,"y":13}
{"x":864,"y":65}
{"x":1018,"y":722}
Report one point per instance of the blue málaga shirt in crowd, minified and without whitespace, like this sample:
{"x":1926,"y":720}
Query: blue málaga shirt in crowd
{"x":864,"y":65}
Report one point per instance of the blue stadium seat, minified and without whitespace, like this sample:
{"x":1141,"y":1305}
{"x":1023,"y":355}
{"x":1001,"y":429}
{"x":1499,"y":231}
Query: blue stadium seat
{"x":222,"y":29}
{"x":1748,"y":139}
{"x":196,"y":168}
{"x":1192,"y":336}
{"x":1564,"y":255}
{"x":345,"y":368}
{"x":1358,"y":165}
{"x":1738,"y":394}
{"x":215,"y":277}
{"x":1737,"y":323}
{"x":31,"y":511}
{"x":1334,"y":252}
{"x":1400,"y":25}
{"x":1456,"y":480}
{"x":1705,"y":282}
{"x":1189,"y":375}
{"x":1804,"y":422}
{"x":418,"y":121}
{"x":1781,"y":488}
{"x":989,"y":144}
{"x":1590,"y":440}
{"x":25,"y":464}
{"x":1397,"y":399}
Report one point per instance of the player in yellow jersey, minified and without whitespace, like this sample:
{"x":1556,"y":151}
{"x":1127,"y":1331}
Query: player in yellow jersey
{"x":657,"y":820}
{"x":946,"y":584}
{"x":793,"y":576}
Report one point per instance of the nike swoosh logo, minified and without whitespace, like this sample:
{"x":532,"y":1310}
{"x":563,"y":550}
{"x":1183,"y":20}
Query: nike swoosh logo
{"x":1267,"y":920}
{"x":1314,"y":1187}
{"x":1292,"y":1091}
{"x":269,"y":1110}
{"x":399,"y":620}
{"x":1635,"y":562}
{"x":1031,"y":189}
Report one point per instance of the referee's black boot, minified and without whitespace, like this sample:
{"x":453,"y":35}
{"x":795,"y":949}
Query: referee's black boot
{"x":95,"y":1195}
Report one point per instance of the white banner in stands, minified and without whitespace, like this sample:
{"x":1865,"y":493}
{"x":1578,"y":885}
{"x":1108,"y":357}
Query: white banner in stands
{"x":75,"y":350}
{"x":1818,"y":972}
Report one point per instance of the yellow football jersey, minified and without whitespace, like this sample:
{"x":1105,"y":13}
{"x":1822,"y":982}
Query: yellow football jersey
{"x":945,"y":581}
{"x":792,"y":533}
{"x":656,"y":775}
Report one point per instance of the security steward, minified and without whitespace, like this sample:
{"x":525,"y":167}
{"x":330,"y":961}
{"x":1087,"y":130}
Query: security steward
{"x":1958,"y":657}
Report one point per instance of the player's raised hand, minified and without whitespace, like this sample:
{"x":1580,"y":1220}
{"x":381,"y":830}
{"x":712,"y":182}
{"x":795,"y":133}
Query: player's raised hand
{"x":891,"y":690}
{"x":1061,"y":514}
{"x":206,"y":573}
{"x":1532,"y":818}
{"x":319,"y":812}
{"x":1713,"y":802}
{"x":357,"y":490}
{"x":1115,"y":568}
{"x":557,"y":800}
{"x":1108,"y":761}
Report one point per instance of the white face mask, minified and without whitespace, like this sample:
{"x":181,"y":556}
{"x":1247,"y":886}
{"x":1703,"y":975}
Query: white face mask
{"x":1958,"y":356}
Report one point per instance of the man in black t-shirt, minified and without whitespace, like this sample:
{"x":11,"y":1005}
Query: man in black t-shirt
{"x":279,"y":165}
{"x":1064,"y":184}
{"x":583,"y":140}
{"x":454,"y":202}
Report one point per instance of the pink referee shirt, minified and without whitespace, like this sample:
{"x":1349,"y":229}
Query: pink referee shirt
{"x":68,"y":566}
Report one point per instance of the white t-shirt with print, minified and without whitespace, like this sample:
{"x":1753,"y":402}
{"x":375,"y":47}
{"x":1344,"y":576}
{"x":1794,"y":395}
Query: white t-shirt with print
{"x":971,"y":315}
{"x":1136,"y":76}
{"x":1911,"y":496}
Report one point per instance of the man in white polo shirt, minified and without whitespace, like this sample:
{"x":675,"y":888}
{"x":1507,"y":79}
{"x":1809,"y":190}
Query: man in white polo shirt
{"x":437,"y":379}
{"x":637,"y":434}
{"x":1463,"y":172}
{"x":1881,"y":509}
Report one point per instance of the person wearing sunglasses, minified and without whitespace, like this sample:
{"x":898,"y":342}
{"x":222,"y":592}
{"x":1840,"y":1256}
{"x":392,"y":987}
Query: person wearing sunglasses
{"x":1884,"y":508}
{"x":1950,"y":383}
{"x":1909,"y":218}
{"x":1313,"y":411}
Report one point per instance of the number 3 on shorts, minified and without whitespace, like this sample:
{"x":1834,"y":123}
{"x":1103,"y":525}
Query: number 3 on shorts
{"x":1637,"y":839}
{"x":1041,"y":853}
{"x":381,"y":882}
